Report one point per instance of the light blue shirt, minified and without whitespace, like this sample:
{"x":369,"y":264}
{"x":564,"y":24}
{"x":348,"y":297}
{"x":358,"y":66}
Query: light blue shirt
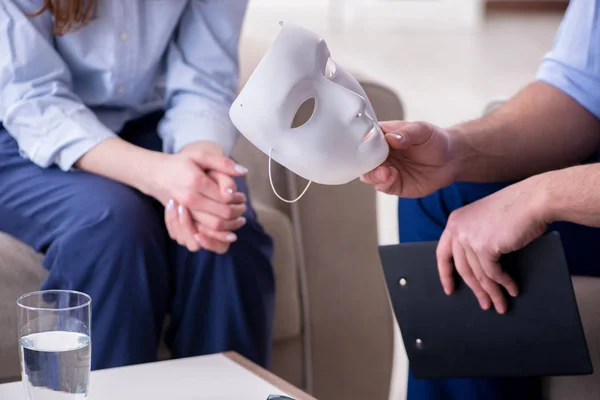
{"x":62,"y":95}
{"x":573,"y":64}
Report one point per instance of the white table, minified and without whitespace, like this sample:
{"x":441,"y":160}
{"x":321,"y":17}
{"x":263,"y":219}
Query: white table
{"x":216,"y":377}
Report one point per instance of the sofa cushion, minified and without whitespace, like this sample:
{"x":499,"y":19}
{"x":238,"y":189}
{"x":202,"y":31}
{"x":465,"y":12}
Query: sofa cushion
{"x":586,"y":387}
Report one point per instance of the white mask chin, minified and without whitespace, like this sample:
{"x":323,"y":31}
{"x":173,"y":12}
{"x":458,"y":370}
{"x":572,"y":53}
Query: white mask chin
{"x":341,"y":140}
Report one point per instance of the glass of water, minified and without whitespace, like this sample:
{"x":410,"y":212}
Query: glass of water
{"x":55,"y":344}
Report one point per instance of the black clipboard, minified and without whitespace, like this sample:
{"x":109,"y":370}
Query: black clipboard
{"x":452,"y":337}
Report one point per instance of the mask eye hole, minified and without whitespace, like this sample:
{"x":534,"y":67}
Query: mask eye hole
{"x":304,"y":113}
{"x":330,"y":69}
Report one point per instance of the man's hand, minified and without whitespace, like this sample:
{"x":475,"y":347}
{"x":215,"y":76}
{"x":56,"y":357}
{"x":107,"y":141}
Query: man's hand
{"x":419,"y":162}
{"x":523,"y":137}
{"x":203,"y":207}
{"x":478,"y":234}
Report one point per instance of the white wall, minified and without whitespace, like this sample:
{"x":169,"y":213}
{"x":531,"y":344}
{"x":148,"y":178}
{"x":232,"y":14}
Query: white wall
{"x":415,"y":14}
{"x":371,"y":14}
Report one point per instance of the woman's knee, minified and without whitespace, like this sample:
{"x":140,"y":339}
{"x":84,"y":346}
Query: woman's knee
{"x":110,"y":225}
{"x":108,"y":210}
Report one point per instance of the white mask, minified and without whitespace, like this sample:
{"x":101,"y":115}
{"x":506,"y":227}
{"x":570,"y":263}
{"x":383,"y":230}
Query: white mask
{"x":341,"y":140}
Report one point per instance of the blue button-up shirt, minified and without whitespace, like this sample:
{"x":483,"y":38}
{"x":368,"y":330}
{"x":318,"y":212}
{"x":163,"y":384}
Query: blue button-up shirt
{"x":62,"y":95}
{"x":573,"y":64}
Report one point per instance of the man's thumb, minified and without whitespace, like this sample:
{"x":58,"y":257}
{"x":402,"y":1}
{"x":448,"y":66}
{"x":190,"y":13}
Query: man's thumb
{"x":408,"y":134}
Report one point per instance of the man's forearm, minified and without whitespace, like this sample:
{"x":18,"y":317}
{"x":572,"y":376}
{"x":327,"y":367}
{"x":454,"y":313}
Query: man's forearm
{"x":540,"y":129}
{"x":571,"y":194}
{"x":121,"y":161}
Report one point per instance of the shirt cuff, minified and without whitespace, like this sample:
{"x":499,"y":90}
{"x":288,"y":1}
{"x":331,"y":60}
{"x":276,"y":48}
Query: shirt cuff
{"x":579,"y":85}
{"x":69,"y":141}
{"x":197,"y":123}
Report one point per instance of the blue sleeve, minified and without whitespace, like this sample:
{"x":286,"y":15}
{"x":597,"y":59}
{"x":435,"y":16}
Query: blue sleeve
{"x":425,"y":219}
{"x":421,"y":220}
{"x":37,"y":104}
{"x":202,"y":75}
{"x":573,"y":64}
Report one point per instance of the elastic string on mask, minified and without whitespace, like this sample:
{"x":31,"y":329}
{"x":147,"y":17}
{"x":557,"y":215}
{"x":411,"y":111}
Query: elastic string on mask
{"x":275,"y":190}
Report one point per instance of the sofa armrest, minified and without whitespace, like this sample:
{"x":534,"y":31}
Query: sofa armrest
{"x":20,"y":273}
{"x":351,"y":331}
{"x":288,"y":321}
{"x":349,"y":316}
{"x":348,"y":321}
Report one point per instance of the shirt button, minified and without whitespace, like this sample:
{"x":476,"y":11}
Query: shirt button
{"x":121,"y":89}
{"x":124,"y":36}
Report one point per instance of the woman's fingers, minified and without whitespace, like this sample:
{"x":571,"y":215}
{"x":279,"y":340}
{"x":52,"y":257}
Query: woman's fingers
{"x":226,"y":184}
{"x":239,"y":198}
{"x":196,"y":202}
{"x":218,"y":224}
{"x":211,"y":244}
{"x":221,"y":236}
{"x":210,"y":161}
{"x":171,"y":221}
{"x":194,"y":236}
{"x":180,"y":225}
{"x":187,"y":230}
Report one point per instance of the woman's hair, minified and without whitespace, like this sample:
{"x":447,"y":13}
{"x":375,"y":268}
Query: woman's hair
{"x":67,"y":14}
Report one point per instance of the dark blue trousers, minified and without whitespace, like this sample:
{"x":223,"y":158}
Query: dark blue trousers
{"x":110,"y":241}
{"x":424,"y":220}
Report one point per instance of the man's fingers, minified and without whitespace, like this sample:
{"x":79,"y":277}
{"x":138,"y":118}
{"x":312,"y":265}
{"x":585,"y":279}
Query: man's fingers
{"x":465,"y":271}
{"x":392,"y":184}
{"x":378,"y":175}
{"x":392,"y":180}
{"x":384,"y":178}
{"x":490,"y":286}
{"x":444,"y":261}
{"x":210,"y":161}
{"x":495,"y":272}
{"x":187,"y":229}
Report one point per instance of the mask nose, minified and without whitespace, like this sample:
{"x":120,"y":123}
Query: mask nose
{"x":361,"y":111}
{"x":360,"y":106}
{"x":364,"y":118}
